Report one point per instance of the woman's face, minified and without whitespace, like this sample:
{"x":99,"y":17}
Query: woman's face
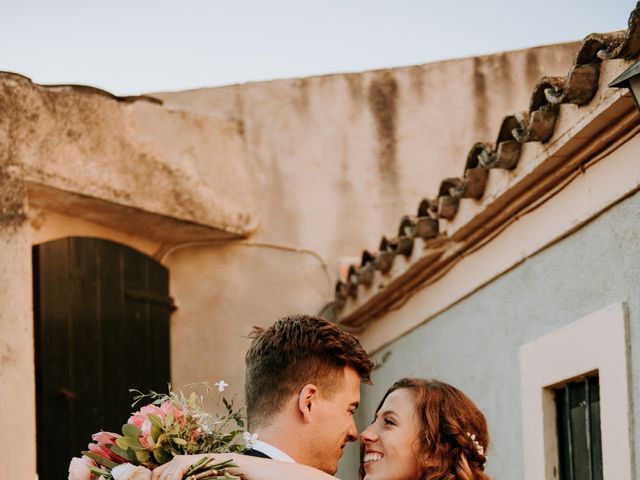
{"x":391,"y":446}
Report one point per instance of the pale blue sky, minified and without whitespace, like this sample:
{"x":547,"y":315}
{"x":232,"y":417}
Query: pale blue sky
{"x":136,"y":46}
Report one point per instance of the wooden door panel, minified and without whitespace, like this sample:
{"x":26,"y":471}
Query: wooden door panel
{"x":138,"y":327}
{"x":93,"y":341}
{"x":84,"y":346}
{"x":111,"y":308}
{"x":53,"y":385}
{"x":159,"y":332}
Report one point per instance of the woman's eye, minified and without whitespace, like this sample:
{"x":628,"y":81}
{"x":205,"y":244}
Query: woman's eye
{"x":388,"y":422}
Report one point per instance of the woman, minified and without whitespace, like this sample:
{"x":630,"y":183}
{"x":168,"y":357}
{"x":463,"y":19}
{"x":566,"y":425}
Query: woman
{"x":425,"y":429}
{"x":422,"y":430}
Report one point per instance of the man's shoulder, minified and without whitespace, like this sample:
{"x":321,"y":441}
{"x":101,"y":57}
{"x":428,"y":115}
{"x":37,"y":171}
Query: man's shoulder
{"x":255,"y":453}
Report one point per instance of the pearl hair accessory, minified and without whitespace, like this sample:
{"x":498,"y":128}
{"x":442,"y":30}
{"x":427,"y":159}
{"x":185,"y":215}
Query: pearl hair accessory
{"x":479,"y":447}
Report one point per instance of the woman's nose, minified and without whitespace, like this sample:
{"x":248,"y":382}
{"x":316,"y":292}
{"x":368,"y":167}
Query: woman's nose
{"x":370,"y":434}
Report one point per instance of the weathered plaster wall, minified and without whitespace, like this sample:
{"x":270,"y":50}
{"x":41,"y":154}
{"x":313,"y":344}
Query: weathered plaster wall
{"x":17,"y":377}
{"x":369,"y":145}
{"x":85,"y":152}
{"x":474,"y":344}
{"x":338,"y":159}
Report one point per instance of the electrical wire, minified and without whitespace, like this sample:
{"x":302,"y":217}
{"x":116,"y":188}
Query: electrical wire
{"x":161,"y":255}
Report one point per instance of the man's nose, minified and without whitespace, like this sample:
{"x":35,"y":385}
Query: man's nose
{"x":352,"y":434}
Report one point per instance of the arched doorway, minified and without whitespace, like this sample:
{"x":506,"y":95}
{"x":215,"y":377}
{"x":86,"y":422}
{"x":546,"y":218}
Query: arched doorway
{"x":101,"y":327}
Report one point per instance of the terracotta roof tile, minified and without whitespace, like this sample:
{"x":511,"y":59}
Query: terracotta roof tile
{"x":537,"y":124}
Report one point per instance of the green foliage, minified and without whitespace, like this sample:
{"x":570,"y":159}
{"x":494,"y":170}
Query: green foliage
{"x":217,"y":470}
{"x":100,"y":460}
{"x":188,"y":428}
{"x":176,"y":424}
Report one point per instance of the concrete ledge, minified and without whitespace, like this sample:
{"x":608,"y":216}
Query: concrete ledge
{"x":76,"y":145}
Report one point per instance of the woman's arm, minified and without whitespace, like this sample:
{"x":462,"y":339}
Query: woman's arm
{"x":251,"y":468}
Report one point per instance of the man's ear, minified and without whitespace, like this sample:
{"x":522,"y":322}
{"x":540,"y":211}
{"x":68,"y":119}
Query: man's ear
{"x":306,"y":401}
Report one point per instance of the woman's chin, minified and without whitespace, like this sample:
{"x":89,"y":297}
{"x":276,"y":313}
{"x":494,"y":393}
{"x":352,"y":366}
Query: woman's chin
{"x":370,"y":469}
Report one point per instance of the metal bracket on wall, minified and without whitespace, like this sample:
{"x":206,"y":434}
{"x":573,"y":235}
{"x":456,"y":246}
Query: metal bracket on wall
{"x":149,"y":297}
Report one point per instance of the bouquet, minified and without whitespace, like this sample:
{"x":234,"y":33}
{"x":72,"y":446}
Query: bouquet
{"x":171,"y":424}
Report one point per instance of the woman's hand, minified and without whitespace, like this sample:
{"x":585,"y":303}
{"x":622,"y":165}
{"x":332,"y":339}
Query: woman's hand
{"x":250,"y":468}
{"x":177,"y":468}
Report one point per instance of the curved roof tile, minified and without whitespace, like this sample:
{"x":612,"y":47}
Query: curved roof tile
{"x":536,"y":125}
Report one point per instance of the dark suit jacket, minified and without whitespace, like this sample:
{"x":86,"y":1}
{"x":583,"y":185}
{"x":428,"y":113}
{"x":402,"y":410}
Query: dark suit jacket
{"x":255,"y":453}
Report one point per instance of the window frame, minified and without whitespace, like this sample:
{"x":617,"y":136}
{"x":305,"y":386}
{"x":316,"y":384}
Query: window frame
{"x":597,"y":342}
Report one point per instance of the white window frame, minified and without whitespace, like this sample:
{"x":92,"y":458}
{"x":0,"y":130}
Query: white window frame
{"x":597,"y":342}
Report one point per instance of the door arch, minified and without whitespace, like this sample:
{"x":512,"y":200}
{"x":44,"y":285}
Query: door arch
{"x":101,"y":323}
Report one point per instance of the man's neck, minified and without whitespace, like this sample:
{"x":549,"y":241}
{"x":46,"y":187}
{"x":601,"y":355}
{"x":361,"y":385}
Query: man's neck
{"x":271,"y":451}
{"x":284,"y":440}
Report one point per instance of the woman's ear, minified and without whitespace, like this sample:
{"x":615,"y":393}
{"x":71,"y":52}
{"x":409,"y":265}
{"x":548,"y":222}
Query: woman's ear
{"x":306,"y":400}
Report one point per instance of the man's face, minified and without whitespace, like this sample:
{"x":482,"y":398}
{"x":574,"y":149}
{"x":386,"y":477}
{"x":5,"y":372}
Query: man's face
{"x":334,"y":422}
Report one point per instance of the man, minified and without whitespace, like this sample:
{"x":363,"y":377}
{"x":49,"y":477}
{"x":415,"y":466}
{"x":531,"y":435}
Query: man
{"x":302,"y":388}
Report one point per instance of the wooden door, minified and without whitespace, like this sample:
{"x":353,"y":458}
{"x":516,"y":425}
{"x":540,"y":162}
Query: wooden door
{"x":101,"y":327}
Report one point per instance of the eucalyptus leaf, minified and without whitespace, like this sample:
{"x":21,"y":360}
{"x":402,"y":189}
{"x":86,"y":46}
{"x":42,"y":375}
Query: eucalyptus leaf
{"x":124,"y":452}
{"x":123,"y":442}
{"x":155,"y":420}
{"x":131,"y":431}
{"x":162,"y":456}
{"x":105,"y":462}
{"x":162,"y":439}
{"x":132,"y":455}
{"x":97,"y":471}
{"x":155,"y":432}
{"x":168,"y":420}
{"x":143,"y":456}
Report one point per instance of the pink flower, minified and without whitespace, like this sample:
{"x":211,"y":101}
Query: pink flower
{"x":139,"y":417}
{"x":196,"y":434}
{"x":102,"y":447}
{"x":169,"y":407}
{"x":105,"y":438}
{"x":79,"y":468}
{"x":141,"y":420}
{"x":146,"y":440}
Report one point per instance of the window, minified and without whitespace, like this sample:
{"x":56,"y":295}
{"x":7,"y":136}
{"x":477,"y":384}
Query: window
{"x":578,"y":424}
{"x":561,"y":361}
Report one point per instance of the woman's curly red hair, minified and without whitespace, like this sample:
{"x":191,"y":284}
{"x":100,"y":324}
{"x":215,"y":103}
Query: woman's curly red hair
{"x":448,"y":420}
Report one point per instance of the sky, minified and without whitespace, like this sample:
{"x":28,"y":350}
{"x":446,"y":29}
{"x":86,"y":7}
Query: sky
{"x":137,"y":46}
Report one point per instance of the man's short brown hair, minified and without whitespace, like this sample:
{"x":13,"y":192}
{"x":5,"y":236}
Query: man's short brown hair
{"x":292,"y":353}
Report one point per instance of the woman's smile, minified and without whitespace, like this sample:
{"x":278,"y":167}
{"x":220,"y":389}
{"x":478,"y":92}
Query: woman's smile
{"x":372,"y":457}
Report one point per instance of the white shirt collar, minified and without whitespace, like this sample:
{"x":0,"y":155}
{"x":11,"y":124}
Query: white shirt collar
{"x":271,"y":451}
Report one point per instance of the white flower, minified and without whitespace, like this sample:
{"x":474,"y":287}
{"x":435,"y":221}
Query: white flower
{"x":249,"y":439}
{"x":221,"y":385}
{"x":126,"y":471}
{"x":79,"y":468}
